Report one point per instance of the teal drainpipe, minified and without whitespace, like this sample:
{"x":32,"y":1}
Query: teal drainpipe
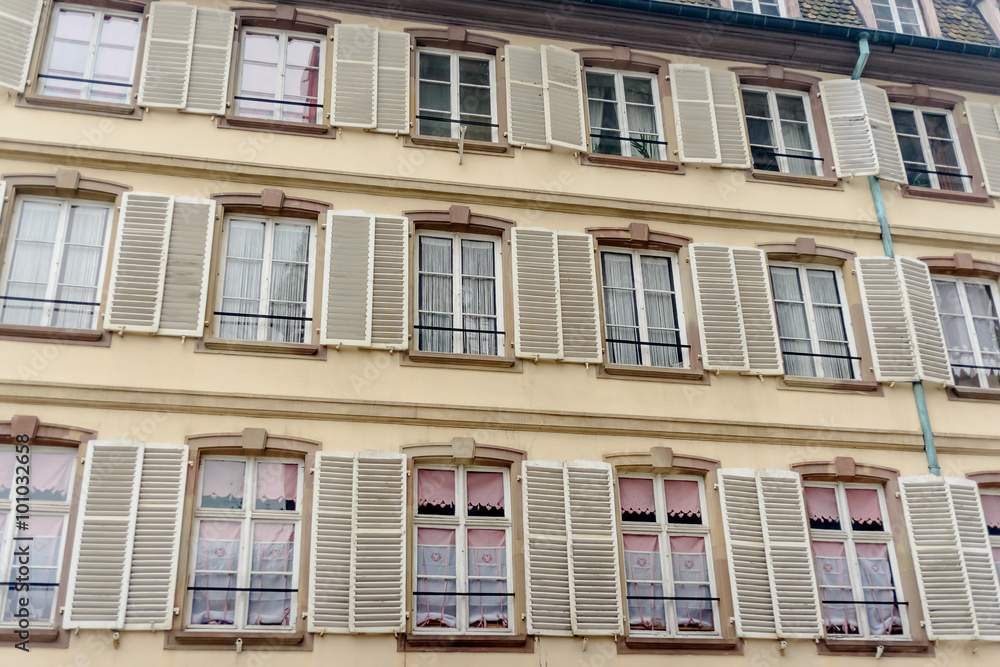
{"x":883,"y":223}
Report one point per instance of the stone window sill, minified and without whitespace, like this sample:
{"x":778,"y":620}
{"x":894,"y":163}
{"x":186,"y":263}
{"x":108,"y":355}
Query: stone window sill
{"x":763,"y":176}
{"x":680,"y":645}
{"x":40,"y":638}
{"x":465,"y":644}
{"x":262,"y":348}
{"x":973,"y":394}
{"x":688,"y":375}
{"x":830,"y":384}
{"x":869,"y":647}
{"x":73,"y":105}
{"x":226,"y":641}
{"x":634,"y":163}
{"x":279,"y":127}
{"x":480,"y":362}
{"x":94,"y":337}
{"x":930,"y":194}
{"x":470,"y":146}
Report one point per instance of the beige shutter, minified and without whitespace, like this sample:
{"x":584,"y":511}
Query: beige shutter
{"x":546,"y":552}
{"x":393,"y":79}
{"x":537,"y":312}
{"x":18,"y":27}
{"x":166,"y":63}
{"x":729,"y":121}
{"x":140,"y":261}
{"x":890,"y":158}
{"x":978,"y":555}
{"x":208,"y":84}
{"x":563,"y":89}
{"x":3,"y":194}
{"x":893,"y":354}
{"x":850,"y":133}
{"x":581,"y":328}
{"x":694,"y":114}
{"x":925,"y":322}
{"x":347,"y":285}
{"x":390,"y":283}
{"x":525,"y":97}
{"x":984,"y":121}
{"x":330,"y":559}
{"x":757,"y":307}
{"x":189,"y":254}
{"x":353,"y":81}
{"x":717,"y":298}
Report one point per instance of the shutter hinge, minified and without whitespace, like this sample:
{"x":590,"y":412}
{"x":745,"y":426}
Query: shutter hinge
{"x":116,"y":639}
{"x":177,"y":611}
{"x":239,"y":644}
{"x":190,"y":465}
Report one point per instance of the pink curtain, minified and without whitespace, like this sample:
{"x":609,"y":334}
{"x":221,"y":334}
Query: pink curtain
{"x":485,"y":490}
{"x":488,"y":577}
{"x":839,"y":612}
{"x":216,"y":565}
{"x":821,"y":503}
{"x":683,"y":498}
{"x":437,"y":605}
{"x":687,"y":545}
{"x":996,"y":557}
{"x":644,"y":581}
{"x":691,"y":582}
{"x":223,"y":478}
{"x":273,"y":561}
{"x":991,"y":508}
{"x":636,"y":495}
{"x":435,"y":488}
{"x":277,"y":481}
{"x":864,"y":506}
{"x":876,"y":578}
{"x":51,"y":473}
{"x":7,"y":472}
{"x":829,"y":549}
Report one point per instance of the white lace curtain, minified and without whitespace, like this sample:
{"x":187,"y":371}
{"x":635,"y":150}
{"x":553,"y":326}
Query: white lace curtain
{"x":840,"y":610}
{"x":644,"y":583}
{"x":622,"y":310}
{"x":793,"y":325}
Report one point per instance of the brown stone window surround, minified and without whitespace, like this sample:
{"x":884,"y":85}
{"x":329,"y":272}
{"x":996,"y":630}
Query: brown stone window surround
{"x":32,"y":99}
{"x":259,"y":443}
{"x":920,"y":95}
{"x":468,"y":452}
{"x":275,"y":203}
{"x":624,"y":59}
{"x":776,"y":76}
{"x":454,"y":38}
{"x":282,"y":17}
{"x":64,"y":184}
{"x":41,"y":434}
{"x":462,"y":220}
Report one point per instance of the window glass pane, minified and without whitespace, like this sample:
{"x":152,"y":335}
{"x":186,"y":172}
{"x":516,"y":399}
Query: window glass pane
{"x":222,"y":484}
{"x":241,"y":287}
{"x":866,"y":513}
{"x":485,"y":494}
{"x":877,"y":582}
{"x":791,"y":107}
{"x":74,"y":25}
{"x":80,"y":274}
{"x":302,"y":52}
{"x":691,"y":584}
{"x":31,"y":263}
{"x":479,"y":306}
{"x":474,"y":71}
{"x":755,"y":104}
{"x":46,"y":533}
{"x":435,"y":67}
{"x":213,"y":600}
{"x":639,"y":91}
{"x":840,"y":614}
{"x":51,"y":474}
{"x":271,"y":567}
{"x":905,"y":121}
{"x":821,"y":505}
{"x":661,"y":312}
{"x":601,"y":86}
{"x":637,"y":500}
{"x":7,"y":465}
{"x":981,"y":302}
{"x":948,"y":300}
{"x":260,"y":48}
{"x":435,"y":297}
{"x":277,"y":486}
{"x":488,"y":578}
{"x":644,"y":583}
{"x":620,"y":309}
{"x":793,"y":326}
{"x":683,"y":498}
{"x":436,"y":492}
{"x":289,"y":283}
{"x":435,"y":600}
{"x":991,"y":509}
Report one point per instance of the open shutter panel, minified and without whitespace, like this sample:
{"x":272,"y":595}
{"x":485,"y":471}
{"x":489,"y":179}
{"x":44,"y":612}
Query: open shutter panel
{"x":353,"y":87}
{"x":347,"y":288}
{"x":850,"y":132}
{"x":3,"y":194}
{"x":185,"y":286}
{"x":886,"y":319}
{"x":330,"y":560}
{"x":536,"y":294}
{"x":211,"y":52}
{"x":563,"y":87}
{"x":984,"y":121}
{"x":978,"y":555}
{"x":890,"y":158}
{"x":717,"y":298}
{"x":729,"y":121}
{"x":18,"y":26}
{"x":136,"y":293}
{"x":546,"y":554}
{"x":155,"y":549}
{"x":393,"y":83}
{"x":694,"y":114}
{"x":525,"y":97}
{"x":99,"y":572}
{"x":390,"y":283}
{"x":581,"y":332}
{"x":759,"y":323}
{"x":921,"y":305}
{"x":747,"y":557}
{"x":166,"y":63}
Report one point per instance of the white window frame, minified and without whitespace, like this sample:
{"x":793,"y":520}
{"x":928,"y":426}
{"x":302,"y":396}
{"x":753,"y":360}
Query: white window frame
{"x":664,"y":530}
{"x":811,"y":315}
{"x":776,"y":135}
{"x":898,"y":24}
{"x":847,"y":536}
{"x":977,"y":350}
{"x":58,"y":249}
{"x":925,"y":145}
{"x":278,"y":112}
{"x":461,"y":523}
{"x":453,"y":84}
{"x":994,"y":539}
{"x":247,"y":516}
{"x":621,"y":108}
{"x":782,"y":10}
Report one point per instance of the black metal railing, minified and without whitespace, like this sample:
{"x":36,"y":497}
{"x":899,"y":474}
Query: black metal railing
{"x":244,"y":98}
{"x":474,"y":123}
{"x":670,"y":597}
{"x":823,"y":356}
{"x":237,"y":589}
{"x":985,"y":368}
{"x":267,"y":317}
{"x":79,"y":80}
{"x":58,"y":301}
{"x":465,"y":595}
{"x":956,"y":174}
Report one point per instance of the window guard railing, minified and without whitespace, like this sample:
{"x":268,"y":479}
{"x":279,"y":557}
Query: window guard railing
{"x":243,"y":98}
{"x":640,"y":342}
{"x":669,"y":597}
{"x":475,"y":123}
{"x":79,"y":80}
{"x":894,"y":601}
{"x":825,"y":356}
{"x":788,"y":155}
{"x":956,"y":174}
{"x":267,"y":317}
{"x":985,"y":368}
{"x":60,"y":301}
{"x":453,"y":329}
{"x":241,"y":590}
{"x":473,"y":595}
{"x":619,"y":137}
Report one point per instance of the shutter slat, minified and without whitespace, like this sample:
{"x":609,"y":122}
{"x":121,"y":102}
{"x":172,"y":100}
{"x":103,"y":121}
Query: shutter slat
{"x":563,"y":91}
{"x":166,"y":64}
{"x":537,"y":312}
{"x":347,"y":287}
{"x":353,"y":79}
{"x":525,"y":97}
{"x":581,"y":336}
{"x":925,"y":322}
{"x":717,"y":300}
{"x":185,"y":286}
{"x":211,"y":53}
{"x":694,"y":114}
{"x":893,"y":354}
{"x":393,"y":83}
{"x":757,"y":308}
{"x":851,"y":137}
{"x":18,"y":27}
{"x":390,"y":283}
{"x":984,"y":121}
{"x":729,"y":121}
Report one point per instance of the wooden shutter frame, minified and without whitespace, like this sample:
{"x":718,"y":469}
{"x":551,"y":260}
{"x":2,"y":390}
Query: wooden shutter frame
{"x":730,"y":79}
{"x":980,"y":136}
{"x":206,"y":269}
{"x":325,"y":338}
{"x":516,"y":281}
{"x":985,"y":550}
{"x":406,"y":230}
{"x":826,"y":89}
{"x":509,"y":83}
{"x":918,"y":349}
{"x":30,"y":42}
{"x":682,"y":157}
{"x":338,"y":31}
{"x":868,"y":310}
{"x":230,"y":48}
{"x":596,"y":332}
{"x":146,"y":61}
{"x":767,"y":297}
{"x":707,"y":362}
{"x":556,"y":542}
{"x":547,"y":84}
{"x":408,"y":73}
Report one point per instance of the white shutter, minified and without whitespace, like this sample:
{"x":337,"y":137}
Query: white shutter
{"x":347,"y":285}
{"x":978,"y":555}
{"x":984,"y":121}
{"x":212,"y":49}
{"x":546,"y":549}
{"x":537,"y":312}
{"x":886,"y":318}
{"x":563,"y":89}
{"x":330,"y":560}
{"x":390,"y":283}
{"x":525,"y":97}
{"x":759,"y":323}
{"x":3,"y":194}
{"x":581,"y":329}
{"x":850,"y":132}
{"x":18,"y":26}
{"x":729,"y":121}
{"x":694,"y":114}
{"x":393,"y":82}
{"x":189,"y":254}
{"x":717,"y":298}
{"x":140,"y":262}
{"x":105,"y":529}
{"x":166,"y":63}
{"x":353,"y":81}
{"x":925,"y":321}
{"x":890,"y":158}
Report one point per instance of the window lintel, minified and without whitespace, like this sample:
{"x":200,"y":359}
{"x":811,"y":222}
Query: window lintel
{"x":42,"y":434}
{"x":638,"y":235}
{"x":460,"y":220}
{"x":463,"y":451}
{"x":455,"y":38}
{"x":662,"y":460}
{"x":963,"y":264}
{"x":624,"y":58}
{"x":775,"y":76}
{"x":68,"y":183}
{"x":921,"y":95}
{"x":283,"y":17}
{"x":250,"y":442}
{"x":805,"y":249}
{"x":988,"y":479}
{"x":272,"y":202}
{"x":844,"y":469}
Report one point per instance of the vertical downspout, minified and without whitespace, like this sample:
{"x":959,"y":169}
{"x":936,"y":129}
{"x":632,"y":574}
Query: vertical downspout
{"x":883,"y":222}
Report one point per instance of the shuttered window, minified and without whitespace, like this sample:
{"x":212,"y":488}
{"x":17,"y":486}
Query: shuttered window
{"x":991,"y":511}
{"x":625,"y":115}
{"x":931,"y":151}
{"x":971,"y":324}
{"x":281,"y":76}
{"x":781,"y":132}
{"x":763,"y":7}
{"x":901,"y":16}
{"x":454,"y":91}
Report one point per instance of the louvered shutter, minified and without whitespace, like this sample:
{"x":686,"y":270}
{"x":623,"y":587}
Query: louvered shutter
{"x":390,"y":283}
{"x":140,"y":262}
{"x":166,"y":63}
{"x":393,"y":82}
{"x":978,"y":556}
{"x":212,"y":48}
{"x":99,"y":573}
{"x":850,"y":133}
{"x":717,"y":298}
{"x":525,"y":97}
{"x":581,"y":332}
{"x":347,"y":288}
{"x":984,"y":121}
{"x":729,"y":121}
{"x":925,"y":322}
{"x":890,"y":158}
{"x":759,"y":323}
{"x":185,"y":286}
{"x":18,"y":26}
{"x":694,"y":114}
{"x":3,"y":194}
{"x":563,"y":90}
{"x":886,"y":319}
{"x":537,"y":312}
{"x":353,"y":81}
{"x":546,"y":554}
{"x":330,"y":560}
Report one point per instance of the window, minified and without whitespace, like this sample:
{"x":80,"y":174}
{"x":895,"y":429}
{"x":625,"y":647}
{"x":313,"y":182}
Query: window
{"x":931,"y":153}
{"x":991,"y":510}
{"x":765,"y":7}
{"x":54,"y":268}
{"x":281,"y":76}
{"x":463,"y":551}
{"x":669,"y":582}
{"x":455,"y":91}
{"x":813,"y":323}
{"x":245,"y":550}
{"x":458,"y":296}
{"x":625,"y":117}
{"x":641,"y":304}
{"x":971,"y":326}
{"x":780,"y":130}
{"x":898,"y":16}
{"x":855,"y":561}
{"x":266,"y":290}
{"x":50,"y":491}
